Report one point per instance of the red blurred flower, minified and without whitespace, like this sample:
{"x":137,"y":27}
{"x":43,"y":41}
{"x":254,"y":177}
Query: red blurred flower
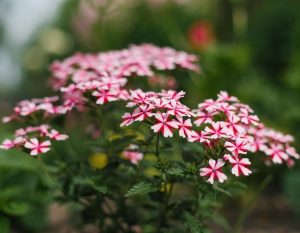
{"x":201,"y":35}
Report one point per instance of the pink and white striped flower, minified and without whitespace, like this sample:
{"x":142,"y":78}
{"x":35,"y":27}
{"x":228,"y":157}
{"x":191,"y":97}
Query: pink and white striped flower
{"x":233,"y":125}
{"x":213,"y":171}
{"x":37,"y":147}
{"x":239,"y":146}
{"x":257,"y":144}
{"x":204,"y":117}
{"x":276,"y":152}
{"x":7,"y":144}
{"x":247,"y":118}
{"x":173,"y":95}
{"x":216,"y":130}
{"x":164,"y":124}
{"x":291,"y":151}
{"x":127,"y":119}
{"x":143,"y":112}
{"x":184,"y":127}
{"x":208,"y":105}
{"x":55,"y":135}
{"x":226,"y":108}
{"x":175,"y":108}
{"x":104,"y":96}
{"x":197,"y":137}
{"x":239,"y":166}
{"x":224,"y":96}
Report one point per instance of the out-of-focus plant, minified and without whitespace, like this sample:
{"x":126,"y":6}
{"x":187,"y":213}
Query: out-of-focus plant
{"x":164,"y":170}
{"x":25,"y":188}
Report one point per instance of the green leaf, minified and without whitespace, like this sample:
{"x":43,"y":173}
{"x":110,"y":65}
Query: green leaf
{"x":192,"y":223}
{"x":16,"y":208}
{"x":222,"y":221}
{"x":140,"y":188}
{"x":4,"y":225}
{"x":175,"y":172}
{"x":101,"y":189}
{"x":221,"y":190}
{"x":85,"y":181}
{"x":88,"y":182}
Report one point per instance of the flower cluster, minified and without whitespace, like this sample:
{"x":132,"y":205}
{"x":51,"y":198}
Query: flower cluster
{"x":46,"y":107}
{"x":35,"y":140}
{"x":101,"y":77}
{"x":95,"y":79}
{"x":227,"y":128}
{"x":229,"y":124}
{"x":275,"y":145}
{"x":137,"y":60}
{"x":163,"y":110}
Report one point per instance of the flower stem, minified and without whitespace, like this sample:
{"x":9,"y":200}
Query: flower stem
{"x":157,"y":146}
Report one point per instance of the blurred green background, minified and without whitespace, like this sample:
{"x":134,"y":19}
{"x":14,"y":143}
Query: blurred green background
{"x":249,"y":48}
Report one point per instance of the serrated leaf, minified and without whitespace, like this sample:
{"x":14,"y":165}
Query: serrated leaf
{"x":175,"y":172}
{"x":192,"y":223}
{"x":141,"y":188}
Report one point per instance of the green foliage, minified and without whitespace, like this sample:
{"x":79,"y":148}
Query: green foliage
{"x":193,"y":224}
{"x":140,"y":189}
{"x":4,"y":225}
{"x":261,"y":66}
{"x":176,"y":172}
{"x":25,"y":188}
{"x":291,"y":186}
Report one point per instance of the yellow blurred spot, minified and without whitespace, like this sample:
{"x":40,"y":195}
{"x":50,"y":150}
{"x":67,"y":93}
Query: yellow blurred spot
{"x":151,"y":172}
{"x":168,"y":187}
{"x":151,"y":157}
{"x":113,"y":136}
{"x":98,"y":160}
{"x":54,"y":40}
{"x":138,"y":135}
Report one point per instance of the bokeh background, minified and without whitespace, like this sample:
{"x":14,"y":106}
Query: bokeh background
{"x":249,"y":48}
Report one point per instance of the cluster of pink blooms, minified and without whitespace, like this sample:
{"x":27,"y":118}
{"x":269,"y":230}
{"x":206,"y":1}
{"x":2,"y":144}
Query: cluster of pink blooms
{"x":227,"y":128}
{"x":101,"y":77}
{"x":47,"y":107}
{"x":89,"y":79}
{"x":229,"y":124}
{"x":163,"y":82}
{"x":273,"y":143}
{"x":164,"y":111}
{"x":223,"y":123}
{"x":35,"y":140}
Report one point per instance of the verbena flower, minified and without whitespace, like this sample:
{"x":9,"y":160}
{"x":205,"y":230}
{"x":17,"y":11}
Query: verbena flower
{"x":164,"y":111}
{"x":37,"y":147}
{"x":214,"y":171}
{"x":226,"y":128}
{"x":34,"y":139}
{"x":102,"y":77}
{"x":46,"y":107}
{"x":164,"y":124}
{"x":239,"y":165}
{"x":230,"y":126}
